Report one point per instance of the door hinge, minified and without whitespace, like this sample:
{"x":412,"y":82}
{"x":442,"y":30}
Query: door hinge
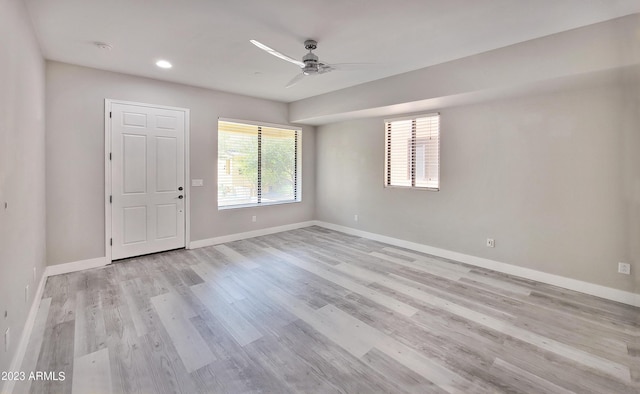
{"x":111,"y":241}
{"x":110,"y":199}
{"x":110,"y":114}
{"x":109,"y":155}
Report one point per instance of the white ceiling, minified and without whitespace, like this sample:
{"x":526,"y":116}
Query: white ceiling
{"x":208,"y":40}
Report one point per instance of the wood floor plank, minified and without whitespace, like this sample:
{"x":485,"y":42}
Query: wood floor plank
{"x":578,"y":336}
{"x":173,"y":302}
{"x":403,"y":378}
{"x":175,"y":315}
{"x":291,"y":372}
{"x":132,"y":296}
{"x":344,"y":372}
{"x":239,"y":327}
{"x":382,"y":299}
{"x":430,"y":260}
{"x":33,"y":348}
{"x":209,"y":272}
{"x":223,"y":284}
{"x":322,"y":323}
{"x":231,"y":289}
{"x":92,"y":373}
{"x":236,"y":257}
{"x":423,"y":291}
{"x":442,"y":377}
{"x":167,"y":373}
{"x":534,"y":382}
{"x":626,"y":322}
{"x":355,"y":271}
{"x":90,"y":334}
{"x":129,"y":371}
{"x":314,"y":290}
{"x":358,"y":339}
{"x":263,"y":313}
{"x":452,"y":275}
{"x":500,"y":284}
{"x":612,"y":368}
{"x":56,"y":356}
{"x":354,"y":331}
{"x":559,"y":370}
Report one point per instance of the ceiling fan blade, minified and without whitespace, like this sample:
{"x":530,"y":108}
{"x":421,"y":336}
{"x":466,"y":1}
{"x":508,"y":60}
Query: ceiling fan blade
{"x":351,"y":66}
{"x":276,"y":53}
{"x":295,"y":80}
{"x":324,"y":68}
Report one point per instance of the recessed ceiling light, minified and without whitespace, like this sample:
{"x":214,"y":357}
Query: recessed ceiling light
{"x":163,"y":64}
{"x":103,"y":45}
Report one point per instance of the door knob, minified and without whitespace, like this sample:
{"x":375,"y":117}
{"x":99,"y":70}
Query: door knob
{"x":180,"y":188}
{"x":181,"y":197}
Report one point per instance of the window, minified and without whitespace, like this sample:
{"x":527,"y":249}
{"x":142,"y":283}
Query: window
{"x":412,"y":152}
{"x":257,"y":164}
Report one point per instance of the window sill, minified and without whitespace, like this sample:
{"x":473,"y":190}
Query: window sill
{"x":423,"y":189}
{"x":256,"y":205}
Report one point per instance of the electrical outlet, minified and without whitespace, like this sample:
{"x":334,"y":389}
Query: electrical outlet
{"x":491,"y":243}
{"x":6,"y":340}
{"x":355,"y":218}
{"x":624,"y":268}
{"x":253,"y":218}
{"x":26,"y":294}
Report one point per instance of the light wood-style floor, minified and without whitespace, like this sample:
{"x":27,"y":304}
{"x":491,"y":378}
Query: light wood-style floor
{"x":317,"y":311}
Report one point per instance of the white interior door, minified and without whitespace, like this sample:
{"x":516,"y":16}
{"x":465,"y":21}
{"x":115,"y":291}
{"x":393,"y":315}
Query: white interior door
{"x":147,"y":179}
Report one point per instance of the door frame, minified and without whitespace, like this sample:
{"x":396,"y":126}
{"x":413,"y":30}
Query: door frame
{"x":107,"y":172}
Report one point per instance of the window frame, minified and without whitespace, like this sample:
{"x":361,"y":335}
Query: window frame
{"x":411,"y":154}
{"x":297,"y":158}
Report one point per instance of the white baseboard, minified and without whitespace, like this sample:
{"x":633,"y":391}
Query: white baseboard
{"x":249,"y":234}
{"x":16,"y":363}
{"x":608,"y":293}
{"x":66,"y":268}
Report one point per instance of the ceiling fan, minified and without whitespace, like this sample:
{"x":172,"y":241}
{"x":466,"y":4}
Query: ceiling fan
{"x":310,"y":64}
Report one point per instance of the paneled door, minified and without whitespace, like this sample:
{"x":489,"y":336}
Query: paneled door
{"x":147,"y":179}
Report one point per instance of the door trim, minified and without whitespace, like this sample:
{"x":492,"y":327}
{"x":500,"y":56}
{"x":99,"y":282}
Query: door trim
{"x":107,"y":172}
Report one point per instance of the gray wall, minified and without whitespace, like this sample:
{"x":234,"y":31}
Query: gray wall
{"x":75,"y":157}
{"x":22,"y":184}
{"x":553,"y":176}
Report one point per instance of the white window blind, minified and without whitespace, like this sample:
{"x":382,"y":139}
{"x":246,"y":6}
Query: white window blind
{"x":256,"y":164}
{"x":412,"y":152}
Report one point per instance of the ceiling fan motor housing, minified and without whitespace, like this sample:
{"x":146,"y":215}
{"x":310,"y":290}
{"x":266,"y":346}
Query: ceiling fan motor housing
{"x":311,"y":44}
{"x":310,"y":63}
